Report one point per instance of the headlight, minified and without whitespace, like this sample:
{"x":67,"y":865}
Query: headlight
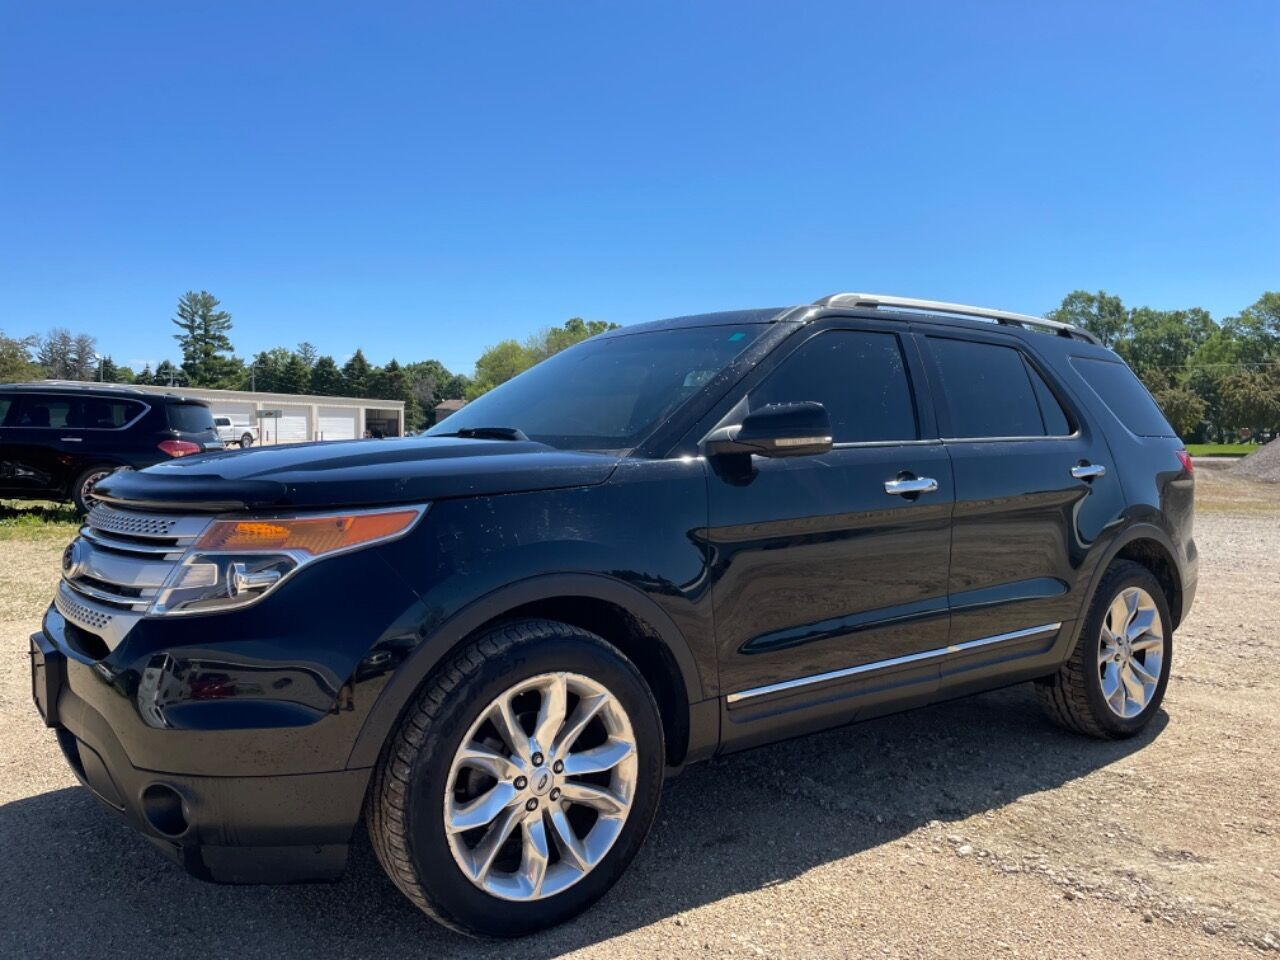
{"x":238,"y":561}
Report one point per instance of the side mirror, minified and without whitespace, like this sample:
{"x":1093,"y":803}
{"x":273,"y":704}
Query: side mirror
{"x":779,"y":430}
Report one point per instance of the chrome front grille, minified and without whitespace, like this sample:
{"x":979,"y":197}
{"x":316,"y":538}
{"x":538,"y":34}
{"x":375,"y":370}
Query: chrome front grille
{"x":109,"y":520}
{"x":117,"y":566}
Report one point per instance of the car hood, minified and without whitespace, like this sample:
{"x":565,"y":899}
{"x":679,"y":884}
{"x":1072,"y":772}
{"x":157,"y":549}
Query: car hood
{"x":354,"y":473}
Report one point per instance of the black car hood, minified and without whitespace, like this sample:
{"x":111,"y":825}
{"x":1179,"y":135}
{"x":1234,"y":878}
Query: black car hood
{"x":354,"y":473}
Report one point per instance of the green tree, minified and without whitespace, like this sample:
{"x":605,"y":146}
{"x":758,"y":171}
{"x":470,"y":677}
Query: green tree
{"x":1183,"y":407}
{"x":1251,"y":398}
{"x":355,"y":375}
{"x":167,"y":375}
{"x":326,"y":378}
{"x":145,"y":378}
{"x":204,"y":338}
{"x":506,"y":359}
{"x":497,"y":365}
{"x":307,"y":352}
{"x":15,"y":359}
{"x":1100,"y":313}
{"x":295,"y":375}
{"x":392,"y":382}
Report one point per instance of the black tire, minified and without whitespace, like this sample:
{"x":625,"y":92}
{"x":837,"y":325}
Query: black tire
{"x":1073,"y":697}
{"x":405,"y":811}
{"x":82,"y":486}
{"x":246,"y":441}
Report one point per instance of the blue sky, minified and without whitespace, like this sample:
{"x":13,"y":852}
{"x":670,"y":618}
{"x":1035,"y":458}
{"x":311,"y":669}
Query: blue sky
{"x":426,"y":179}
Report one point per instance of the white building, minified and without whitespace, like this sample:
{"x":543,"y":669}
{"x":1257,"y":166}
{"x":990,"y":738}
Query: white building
{"x":295,"y":417}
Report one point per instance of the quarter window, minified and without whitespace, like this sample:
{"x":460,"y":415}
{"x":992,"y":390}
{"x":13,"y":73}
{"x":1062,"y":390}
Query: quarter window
{"x":1125,"y":396}
{"x":989,"y":392}
{"x":859,"y":376}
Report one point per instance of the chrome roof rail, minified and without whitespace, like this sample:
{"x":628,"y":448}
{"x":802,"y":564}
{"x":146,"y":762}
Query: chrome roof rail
{"x":954,"y":309}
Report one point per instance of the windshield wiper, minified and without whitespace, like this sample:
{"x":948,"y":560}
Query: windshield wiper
{"x":488,"y":433}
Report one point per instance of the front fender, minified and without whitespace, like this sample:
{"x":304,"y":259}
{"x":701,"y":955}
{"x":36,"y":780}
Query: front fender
{"x":409,"y":676}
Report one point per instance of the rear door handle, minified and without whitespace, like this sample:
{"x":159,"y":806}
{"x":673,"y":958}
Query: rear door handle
{"x":1088,"y":471}
{"x":72,"y":439}
{"x":904,"y":487}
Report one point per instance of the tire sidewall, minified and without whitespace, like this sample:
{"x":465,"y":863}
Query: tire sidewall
{"x":77,"y":485}
{"x":1123,"y":579}
{"x":451,"y":891}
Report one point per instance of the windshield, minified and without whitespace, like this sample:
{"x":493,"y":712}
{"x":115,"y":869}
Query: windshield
{"x":607,"y":393}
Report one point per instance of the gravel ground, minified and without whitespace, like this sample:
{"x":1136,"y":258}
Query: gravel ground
{"x":1262,"y":464}
{"x":971,"y":829}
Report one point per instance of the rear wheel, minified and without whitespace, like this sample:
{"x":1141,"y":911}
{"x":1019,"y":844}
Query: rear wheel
{"x":246,"y":441}
{"x":1115,"y":679}
{"x":82,"y":486}
{"x":521,"y":782}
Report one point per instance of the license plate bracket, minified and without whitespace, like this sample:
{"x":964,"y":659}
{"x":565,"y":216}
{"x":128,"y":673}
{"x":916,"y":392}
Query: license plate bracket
{"x":48,"y":674}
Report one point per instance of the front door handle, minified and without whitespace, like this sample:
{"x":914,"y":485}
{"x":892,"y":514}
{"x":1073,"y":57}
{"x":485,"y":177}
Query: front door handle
{"x":72,"y":439}
{"x":1088,"y":471}
{"x":907,"y":486}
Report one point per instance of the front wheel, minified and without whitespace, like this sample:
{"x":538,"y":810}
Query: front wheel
{"x":1115,"y":679}
{"x":521,"y":782}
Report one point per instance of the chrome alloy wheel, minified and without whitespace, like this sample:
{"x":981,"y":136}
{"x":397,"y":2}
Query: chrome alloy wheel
{"x":1131,"y":652}
{"x":540,"y":787}
{"x":91,"y":481}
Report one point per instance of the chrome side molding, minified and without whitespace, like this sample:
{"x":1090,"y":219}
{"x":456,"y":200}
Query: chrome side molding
{"x":785,"y":685}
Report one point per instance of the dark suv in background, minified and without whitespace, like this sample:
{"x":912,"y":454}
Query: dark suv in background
{"x":492,"y":643}
{"x":57,"y":440}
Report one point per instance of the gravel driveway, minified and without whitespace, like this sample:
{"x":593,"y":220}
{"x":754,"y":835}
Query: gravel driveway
{"x":969,"y":829}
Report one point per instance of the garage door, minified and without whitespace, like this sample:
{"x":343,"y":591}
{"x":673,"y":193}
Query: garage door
{"x":338,"y":423}
{"x":239,"y":411}
{"x":292,"y":426}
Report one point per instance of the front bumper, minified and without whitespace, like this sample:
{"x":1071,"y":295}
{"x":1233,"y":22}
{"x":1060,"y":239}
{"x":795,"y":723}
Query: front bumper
{"x":229,"y":829}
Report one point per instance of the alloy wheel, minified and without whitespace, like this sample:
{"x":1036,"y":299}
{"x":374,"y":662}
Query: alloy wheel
{"x":540,"y":787}
{"x":1131,"y":652}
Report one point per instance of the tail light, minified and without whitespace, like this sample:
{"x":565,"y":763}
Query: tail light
{"x":179,"y":448}
{"x":1185,"y":459}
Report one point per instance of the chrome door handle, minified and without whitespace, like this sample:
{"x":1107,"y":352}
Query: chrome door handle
{"x":908,"y":486}
{"x":72,"y":439}
{"x":1088,"y":471}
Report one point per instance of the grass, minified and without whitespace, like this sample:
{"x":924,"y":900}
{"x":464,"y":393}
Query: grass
{"x":1221,"y":449}
{"x":36,"y":520}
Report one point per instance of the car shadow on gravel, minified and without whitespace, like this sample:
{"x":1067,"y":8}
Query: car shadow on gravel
{"x":76,"y":882}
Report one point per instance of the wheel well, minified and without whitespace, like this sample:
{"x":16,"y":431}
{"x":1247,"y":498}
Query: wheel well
{"x":1152,"y":555}
{"x":641,"y":645}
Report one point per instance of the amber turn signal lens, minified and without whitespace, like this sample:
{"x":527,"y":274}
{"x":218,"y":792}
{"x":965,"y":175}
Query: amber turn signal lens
{"x":313,"y":535}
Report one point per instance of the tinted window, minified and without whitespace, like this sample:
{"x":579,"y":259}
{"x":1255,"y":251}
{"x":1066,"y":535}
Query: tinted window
{"x":6,"y":402}
{"x":39,"y":410}
{"x":859,"y":377}
{"x":987,"y":390}
{"x":1055,"y":419}
{"x":607,"y":393}
{"x":1122,"y":392}
{"x":103,"y":413}
{"x":190,"y":418}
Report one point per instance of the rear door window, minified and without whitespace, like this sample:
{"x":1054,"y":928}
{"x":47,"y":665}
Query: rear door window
{"x":39,"y":411}
{"x":1120,"y":389}
{"x":103,"y":413}
{"x":6,"y":404}
{"x":1056,"y":421}
{"x":859,"y":376}
{"x":190,"y":418}
{"x":987,"y":390}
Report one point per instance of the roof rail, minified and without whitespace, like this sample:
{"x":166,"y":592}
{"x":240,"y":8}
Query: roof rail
{"x":955,"y":309}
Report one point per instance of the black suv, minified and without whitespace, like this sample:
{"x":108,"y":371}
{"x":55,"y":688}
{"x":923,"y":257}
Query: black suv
{"x":671,"y":541}
{"x":57,"y":440}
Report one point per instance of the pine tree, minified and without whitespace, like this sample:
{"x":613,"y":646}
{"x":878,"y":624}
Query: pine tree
{"x":326,"y":378}
{"x":355,"y":375}
{"x":204,"y":338}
